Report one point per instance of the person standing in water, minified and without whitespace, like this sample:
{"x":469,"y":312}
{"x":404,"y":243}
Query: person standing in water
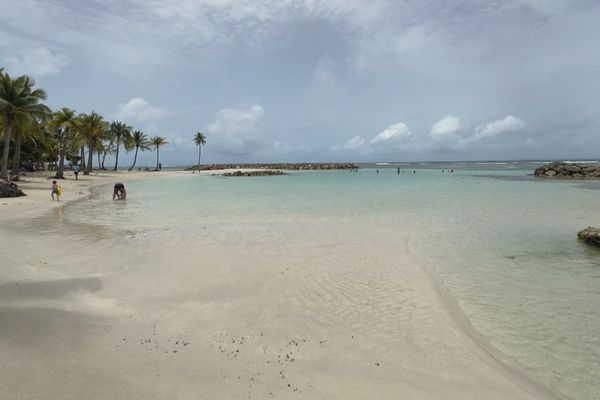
{"x":56,"y":190}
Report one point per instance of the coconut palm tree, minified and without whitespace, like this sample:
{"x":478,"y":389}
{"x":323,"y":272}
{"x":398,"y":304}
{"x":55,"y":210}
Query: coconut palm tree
{"x":24,"y":128}
{"x":64,"y":124}
{"x":18,"y":100}
{"x":158,"y":141}
{"x":94,"y":128}
{"x":139,"y":140}
{"x":200,"y":140}
{"x":120,"y":133}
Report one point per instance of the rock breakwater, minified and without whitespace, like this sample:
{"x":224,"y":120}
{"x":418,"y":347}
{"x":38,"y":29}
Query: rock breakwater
{"x":280,"y":166}
{"x":563,"y":170}
{"x":266,"y":172}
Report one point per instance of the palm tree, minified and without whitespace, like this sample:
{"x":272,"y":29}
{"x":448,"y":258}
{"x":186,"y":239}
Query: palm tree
{"x":93,"y":128}
{"x":200,"y":140}
{"x":158,"y":141}
{"x":139,"y":141}
{"x":18,"y":100}
{"x":120,"y":133}
{"x":64,"y":123}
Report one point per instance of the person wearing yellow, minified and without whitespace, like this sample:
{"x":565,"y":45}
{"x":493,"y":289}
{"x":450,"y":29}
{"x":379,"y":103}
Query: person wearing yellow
{"x":56,"y":190}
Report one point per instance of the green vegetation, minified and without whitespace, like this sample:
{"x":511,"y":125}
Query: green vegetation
{"x":158,"y":141}
{"x":32,"y":136}
{"x":199,"y":140}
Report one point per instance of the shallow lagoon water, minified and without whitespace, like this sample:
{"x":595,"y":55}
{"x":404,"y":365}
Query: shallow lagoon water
{"x":501,"y":242}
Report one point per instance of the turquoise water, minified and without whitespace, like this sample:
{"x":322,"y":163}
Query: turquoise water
{"x":503,"y":243}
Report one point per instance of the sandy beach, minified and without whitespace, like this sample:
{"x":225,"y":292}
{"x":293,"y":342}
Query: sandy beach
{"x":118,"y":318}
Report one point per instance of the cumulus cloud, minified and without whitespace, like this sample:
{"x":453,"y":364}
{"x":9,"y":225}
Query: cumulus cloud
{"x":355,"y":143}
{"x":139,"y":110}
{"x":36,"y":62}
{"x":237,"y":131}
{"x":508,"y":123}
{"x":392,"y":133}
{"x":446,"y":126}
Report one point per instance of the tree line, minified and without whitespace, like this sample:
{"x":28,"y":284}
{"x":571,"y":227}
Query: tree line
{"x":30,"y":130}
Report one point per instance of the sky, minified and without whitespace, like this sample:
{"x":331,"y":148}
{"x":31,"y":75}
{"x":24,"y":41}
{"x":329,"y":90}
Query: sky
{"x":322,"y":80}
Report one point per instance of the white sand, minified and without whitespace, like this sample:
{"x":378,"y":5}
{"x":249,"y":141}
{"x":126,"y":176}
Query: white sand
{"x":103,"y":320}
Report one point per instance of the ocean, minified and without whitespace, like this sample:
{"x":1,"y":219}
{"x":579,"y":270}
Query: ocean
{"x":502,"y":243}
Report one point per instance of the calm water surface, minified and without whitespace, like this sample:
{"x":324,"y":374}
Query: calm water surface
{"x":503,"y":243}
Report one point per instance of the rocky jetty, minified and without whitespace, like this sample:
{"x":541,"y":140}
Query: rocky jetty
{"x":9,"y":189}
{"x":266,"y":172}
{"x":590,"y":235}
{"x":283,"y":166}
{"x":562,"y":170}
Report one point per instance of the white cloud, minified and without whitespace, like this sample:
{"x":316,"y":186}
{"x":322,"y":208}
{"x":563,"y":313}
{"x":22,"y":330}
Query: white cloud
{"x":393,"y":132}
{"x":508,"y":123}
{"x":446,"y":126}
{"x":36,"y":62}
{"x":237,"y":131}
{"x":139,"y":110}
{"x":355,"y":143}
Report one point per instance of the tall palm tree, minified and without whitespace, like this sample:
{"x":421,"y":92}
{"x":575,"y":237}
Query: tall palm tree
{"x":200,"y":140}
{"x":158,"y":141}
{"x":18,"y":99}
{"x":120,"y":133}
{"x":64,"y":124}
{"x":139,"y":140}
{"x":93,"y":127}
{"x":24,"y":128}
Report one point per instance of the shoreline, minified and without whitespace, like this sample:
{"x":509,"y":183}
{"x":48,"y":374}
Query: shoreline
{"x":489,"y":355}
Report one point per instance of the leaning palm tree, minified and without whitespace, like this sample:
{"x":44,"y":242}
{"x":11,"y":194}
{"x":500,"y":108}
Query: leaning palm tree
{"x":64,"y":124}
{"x":120,"y":133}
{"x":158,"y":141}
{"x":139,"y":140}
{"x":93,"y":127}
{"x":18,"y":99}
{"x":200,"y":140}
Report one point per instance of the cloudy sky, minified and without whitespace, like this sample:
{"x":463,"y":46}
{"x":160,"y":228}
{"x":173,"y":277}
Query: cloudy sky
{"x":321,"y":80}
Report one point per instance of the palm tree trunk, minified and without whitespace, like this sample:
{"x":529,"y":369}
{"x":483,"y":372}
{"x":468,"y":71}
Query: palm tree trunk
{"x":16,"y":165}
{"x":7,"y":135}
{"x":82,"y":157}
{"x":134,"y":158}
{"x":63,"y":150}
{"x":199,"y":154}
{"x":157,"y":149}
{"x":103,"y":158}
{"x":117,"y":156}
{"x":88,"y":169}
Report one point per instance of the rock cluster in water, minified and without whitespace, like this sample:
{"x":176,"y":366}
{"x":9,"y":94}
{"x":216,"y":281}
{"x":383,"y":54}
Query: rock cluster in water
{"x":266,"y":172}
{"x":9,"y":189}
{"x":590,"y":235}
{"x":557,"y":169}
{"x":284,"y":166}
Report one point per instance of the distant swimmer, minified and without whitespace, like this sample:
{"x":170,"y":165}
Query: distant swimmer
{"x":398,"y":172}
{"x":377,"y":170}
{"x":414,"y":171}
{"x":119,"y":192}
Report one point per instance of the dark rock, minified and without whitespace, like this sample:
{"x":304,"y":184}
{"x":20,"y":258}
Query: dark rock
{"x":266,"y":172}
{"x":9,"y":189}
{"x":279,"y":166}
{"x":590,"y":235}
{"x":562,"y":170}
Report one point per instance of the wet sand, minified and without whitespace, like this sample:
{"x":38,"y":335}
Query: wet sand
{"x":128,"y":319}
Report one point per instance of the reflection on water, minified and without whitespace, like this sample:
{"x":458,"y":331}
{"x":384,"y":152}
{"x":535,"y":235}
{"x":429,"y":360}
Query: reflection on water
{"x":502,"y":242}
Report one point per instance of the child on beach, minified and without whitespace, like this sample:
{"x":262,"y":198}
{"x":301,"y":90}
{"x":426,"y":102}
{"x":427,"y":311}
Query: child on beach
{"x":56,"y":190}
